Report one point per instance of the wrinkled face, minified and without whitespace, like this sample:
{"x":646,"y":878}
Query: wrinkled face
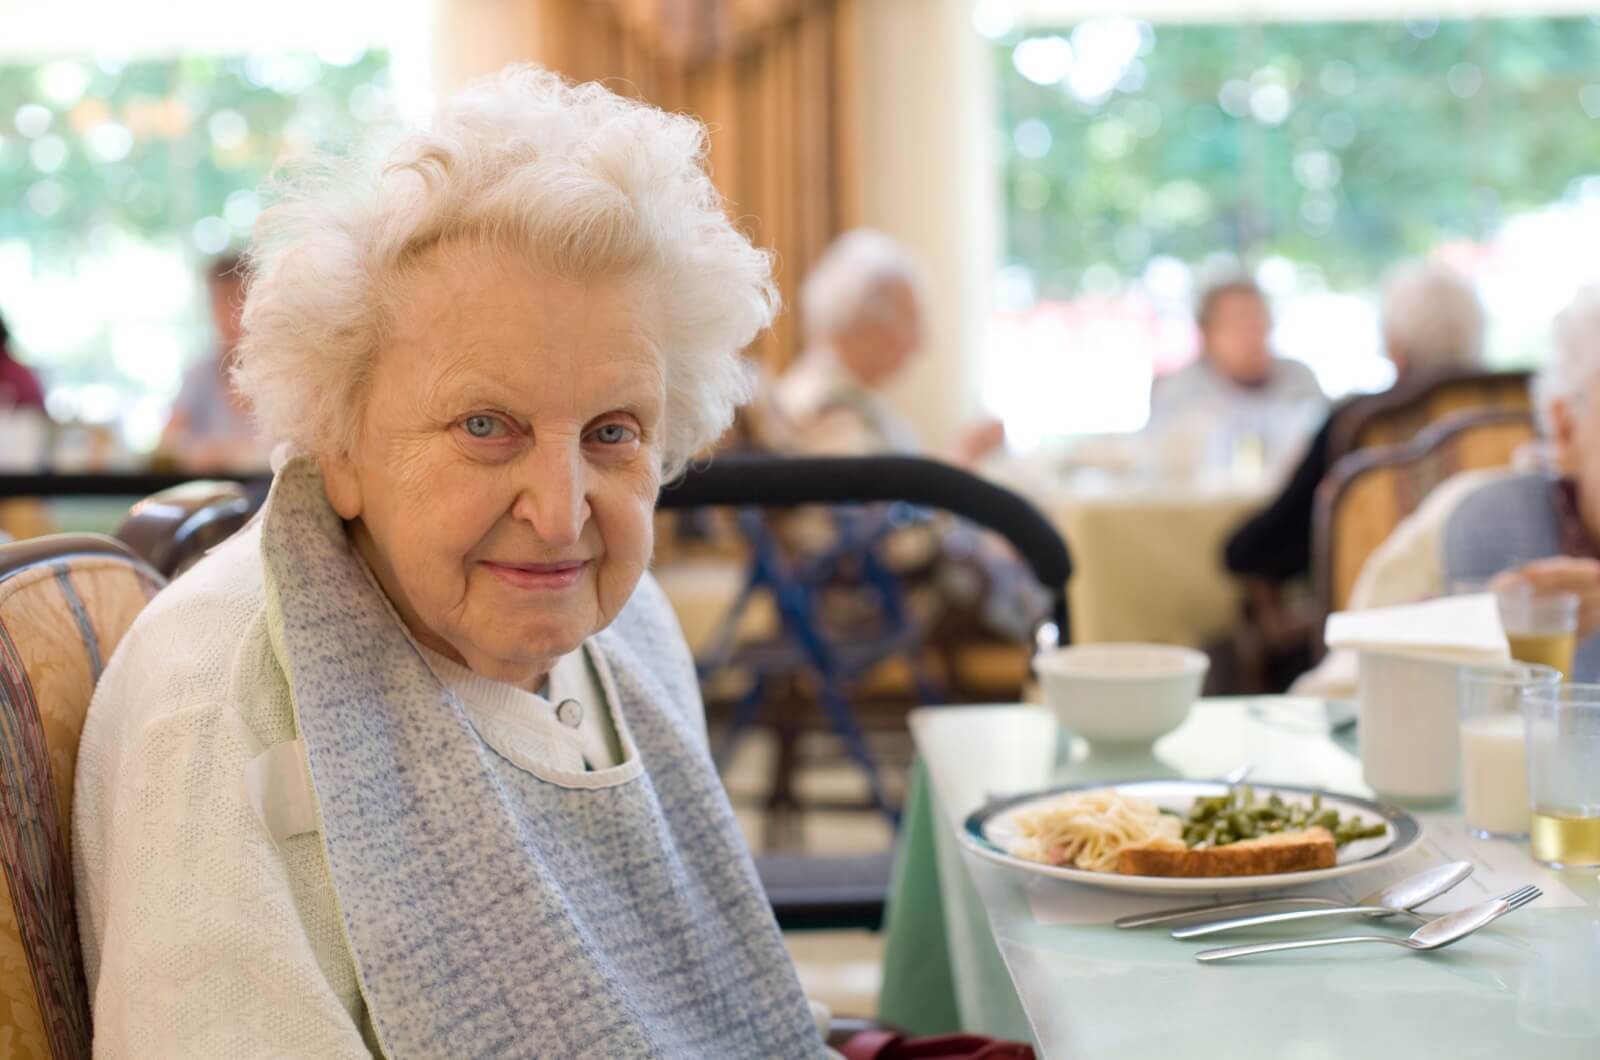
{"x":1236,"y":337}
{"x":880,"y":344}
{"x":503,"y":481}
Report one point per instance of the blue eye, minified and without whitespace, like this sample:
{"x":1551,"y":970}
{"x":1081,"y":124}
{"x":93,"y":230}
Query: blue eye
{"x":480,"y":426}
{"x":613,"y":434}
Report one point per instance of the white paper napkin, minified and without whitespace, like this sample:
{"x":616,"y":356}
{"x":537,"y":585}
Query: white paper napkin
{"x":1454,"y":629}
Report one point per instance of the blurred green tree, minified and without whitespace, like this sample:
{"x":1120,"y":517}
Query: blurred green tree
{"x":100,"y":154}
{"x":1343,"y":145}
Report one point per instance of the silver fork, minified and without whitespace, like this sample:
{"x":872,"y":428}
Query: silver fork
{"x":1433,"y":935}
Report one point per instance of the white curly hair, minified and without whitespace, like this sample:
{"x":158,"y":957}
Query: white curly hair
{"x":853,"y":280}
{"x":583,"y":181}
{"x":1432,"y":315}
{"x":1573,"y":363}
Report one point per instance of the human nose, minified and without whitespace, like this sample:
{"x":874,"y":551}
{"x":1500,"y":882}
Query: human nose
{"x":555,"y":500}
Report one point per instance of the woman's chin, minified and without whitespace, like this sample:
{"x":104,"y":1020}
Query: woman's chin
{"x":511,"y":653}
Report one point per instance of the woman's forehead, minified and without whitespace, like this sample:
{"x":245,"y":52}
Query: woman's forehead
{"x":485,"y":320}
{"x":485,"y":289}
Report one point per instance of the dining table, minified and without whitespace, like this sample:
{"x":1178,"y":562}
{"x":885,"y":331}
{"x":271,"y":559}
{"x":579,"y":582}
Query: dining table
{"x":975,"y":944}
{"x":1147,"y":545}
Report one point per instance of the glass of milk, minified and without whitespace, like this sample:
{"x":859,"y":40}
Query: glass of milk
{"x":1494,"y":770}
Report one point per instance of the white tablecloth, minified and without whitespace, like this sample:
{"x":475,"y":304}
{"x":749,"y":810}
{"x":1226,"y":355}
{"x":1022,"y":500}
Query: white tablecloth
{"x":1146,"y":553}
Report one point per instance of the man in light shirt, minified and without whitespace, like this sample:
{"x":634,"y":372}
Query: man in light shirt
{"x":211,"y":428}
{"x":1237,"y":383}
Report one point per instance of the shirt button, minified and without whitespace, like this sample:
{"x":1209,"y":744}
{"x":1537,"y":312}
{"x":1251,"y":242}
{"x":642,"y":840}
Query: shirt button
{"x":569,"y":712}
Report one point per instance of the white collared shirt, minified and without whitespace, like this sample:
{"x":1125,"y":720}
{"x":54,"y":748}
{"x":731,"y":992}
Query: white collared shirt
{"x":565,"y":736}
{"x":568,"y":729}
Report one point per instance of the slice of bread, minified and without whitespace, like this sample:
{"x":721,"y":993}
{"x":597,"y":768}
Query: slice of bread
{"x":1280,"y":852}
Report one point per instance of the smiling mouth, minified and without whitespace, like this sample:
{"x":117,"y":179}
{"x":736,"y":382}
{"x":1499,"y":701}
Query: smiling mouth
{"x":538,"y":577}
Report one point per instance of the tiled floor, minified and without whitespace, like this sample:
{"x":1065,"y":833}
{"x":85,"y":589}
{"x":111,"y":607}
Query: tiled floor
{"x":842,"y":969}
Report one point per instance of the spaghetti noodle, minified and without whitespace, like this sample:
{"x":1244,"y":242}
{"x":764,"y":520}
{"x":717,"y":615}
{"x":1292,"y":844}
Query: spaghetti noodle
{"x":1088,"y":829}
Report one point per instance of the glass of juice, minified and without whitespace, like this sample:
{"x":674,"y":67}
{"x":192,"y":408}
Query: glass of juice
{"x":1563,"y":734}
{"x":1541,"y":626}
{"x":1494,"y":776}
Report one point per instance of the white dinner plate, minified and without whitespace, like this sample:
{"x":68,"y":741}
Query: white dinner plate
{"x":990,"y":832}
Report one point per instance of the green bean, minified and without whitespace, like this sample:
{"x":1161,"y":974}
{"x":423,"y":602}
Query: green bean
{"x":1218,"y":820}
{"x":1353,"y":829}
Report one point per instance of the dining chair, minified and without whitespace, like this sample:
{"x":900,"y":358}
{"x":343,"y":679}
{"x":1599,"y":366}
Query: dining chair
{"x":810,"y":890}
{"x":1369,"y":492}
{"x":766,"y":482}
{"x":65,"y":603}
{"x":173,"y":528}
{"x":1399,"y":415}
{"x":1279,"y":630}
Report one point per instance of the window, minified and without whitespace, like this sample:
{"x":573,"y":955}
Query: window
{"x":1141,"y":159}
{"x":121,"y":178}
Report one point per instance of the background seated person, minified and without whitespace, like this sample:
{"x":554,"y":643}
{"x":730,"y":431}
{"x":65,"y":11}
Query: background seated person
{"x":1538,"y":525}
{"x":861,"y":314}
{"x":19,"y":387}
{"x":1432,"y":319}
{"x":861,"y":311}
{"x":210,"y":428}
{"x":1237,"y":386}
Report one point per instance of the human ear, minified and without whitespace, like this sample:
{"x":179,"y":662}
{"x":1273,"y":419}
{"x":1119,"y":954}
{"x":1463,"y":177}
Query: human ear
{"x":342,"y":484}
{"x":1563,"y":435}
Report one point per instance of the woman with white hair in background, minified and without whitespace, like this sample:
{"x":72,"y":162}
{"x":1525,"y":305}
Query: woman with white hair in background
{"x":1539,"y":526}
{"x":415,"y":765}
{"x":861,"y":313}
{"x":1432,"y":322}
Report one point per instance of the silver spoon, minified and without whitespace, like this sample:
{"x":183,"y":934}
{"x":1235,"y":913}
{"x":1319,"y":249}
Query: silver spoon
{"x":1401,"y":896}
{"x":1433,"y":935}
{"x":1166,"y":916}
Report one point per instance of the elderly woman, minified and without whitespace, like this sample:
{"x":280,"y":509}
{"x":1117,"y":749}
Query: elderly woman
{"x":861,"y":311}
{"x":415,"y":765}
{"x":1540,"y":526}
{"x":1432,"y":321}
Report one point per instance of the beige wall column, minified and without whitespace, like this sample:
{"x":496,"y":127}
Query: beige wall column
{"x":927,"y":177}
{"x":477,"y":37}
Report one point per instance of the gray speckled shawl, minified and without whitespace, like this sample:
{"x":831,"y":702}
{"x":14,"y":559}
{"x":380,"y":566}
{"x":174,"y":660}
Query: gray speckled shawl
{"x":492,"y":912}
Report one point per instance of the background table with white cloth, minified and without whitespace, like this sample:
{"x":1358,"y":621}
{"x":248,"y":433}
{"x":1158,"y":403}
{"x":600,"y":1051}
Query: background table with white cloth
{"x":1146,"y":549}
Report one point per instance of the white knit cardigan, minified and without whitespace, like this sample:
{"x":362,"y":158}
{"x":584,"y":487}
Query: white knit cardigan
{"x":201,"y":936}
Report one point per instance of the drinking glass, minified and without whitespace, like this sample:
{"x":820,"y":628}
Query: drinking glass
{"x":1541,"y":626}
{"x":1563,"y":733}
{"x":1494,"y":776}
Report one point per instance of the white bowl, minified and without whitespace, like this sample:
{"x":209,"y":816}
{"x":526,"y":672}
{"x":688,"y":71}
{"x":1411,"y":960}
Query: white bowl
{"x":1123,"y":694}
